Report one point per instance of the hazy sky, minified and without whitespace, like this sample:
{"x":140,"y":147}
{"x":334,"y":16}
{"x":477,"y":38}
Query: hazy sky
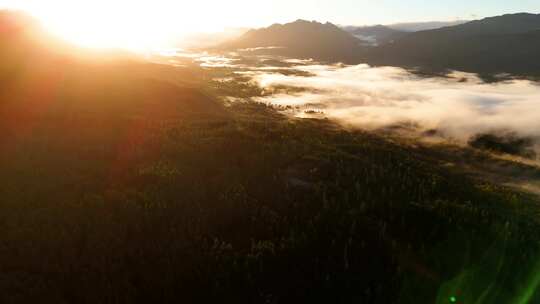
{"x":125,"y":22}
{"x":261,"y":13}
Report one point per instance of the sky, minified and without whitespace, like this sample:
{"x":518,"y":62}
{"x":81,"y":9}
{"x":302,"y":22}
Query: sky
{"x":135,"y":21}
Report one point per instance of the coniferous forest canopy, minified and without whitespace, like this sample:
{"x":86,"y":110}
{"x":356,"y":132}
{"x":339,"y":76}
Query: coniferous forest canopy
{"x":303,"y":162}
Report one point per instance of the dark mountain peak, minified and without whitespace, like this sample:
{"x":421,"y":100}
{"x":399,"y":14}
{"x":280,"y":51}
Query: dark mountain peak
{"x":513,"y":16}
{"x":504,"y":24}
{"x":301,"y":38}
{"x":305,"y":24}
{"x":376,"y":34}
{"x":303,"y":21}
{"x":299,"y":27}
{"x":330,"y":24}
{"x":517,"y":17}
{"x":377,"y":26}
{"x":502,"y":44}
{"x":299,"y":22}
{"x":372,"y":28}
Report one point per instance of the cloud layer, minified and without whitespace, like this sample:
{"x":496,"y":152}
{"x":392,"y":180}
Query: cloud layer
{"x":459,"y":106}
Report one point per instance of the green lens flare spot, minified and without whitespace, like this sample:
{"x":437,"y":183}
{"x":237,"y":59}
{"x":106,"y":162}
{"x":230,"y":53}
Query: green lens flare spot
{"x":453,"y":300}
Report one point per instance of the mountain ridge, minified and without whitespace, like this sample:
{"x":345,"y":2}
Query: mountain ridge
{"x":375,"y":35}
{"x":501,"y":44}
{"x":301,"y":39}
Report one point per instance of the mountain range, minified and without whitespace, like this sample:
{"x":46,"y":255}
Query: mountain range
{"x":502,"y":44}
{"x":300,"y":39}
{"x":380,"y":34}
{"x":424,"y":26}
{"x":375,"y":35}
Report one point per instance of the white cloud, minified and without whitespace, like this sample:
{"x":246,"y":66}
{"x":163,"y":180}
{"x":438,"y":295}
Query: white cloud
{"x":460,"y":105}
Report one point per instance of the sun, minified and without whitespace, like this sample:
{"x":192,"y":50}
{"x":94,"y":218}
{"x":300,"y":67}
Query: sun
{"x":106,"y":24}
{"x":134,"y":25}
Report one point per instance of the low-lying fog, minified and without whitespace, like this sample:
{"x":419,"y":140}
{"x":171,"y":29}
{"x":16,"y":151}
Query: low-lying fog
{"x":458,"y":106}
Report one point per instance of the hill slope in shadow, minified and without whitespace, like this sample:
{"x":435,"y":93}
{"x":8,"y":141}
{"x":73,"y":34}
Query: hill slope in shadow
{"x":301,"y":39}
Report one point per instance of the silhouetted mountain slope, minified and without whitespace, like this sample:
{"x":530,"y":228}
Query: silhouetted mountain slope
{"x":375,"y":35}
{"x":502,"y":44}
{"x":505,"y":24}
{"x":423,"y":26}
{"x":301,"y":39}
{"x":509,"y":43}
